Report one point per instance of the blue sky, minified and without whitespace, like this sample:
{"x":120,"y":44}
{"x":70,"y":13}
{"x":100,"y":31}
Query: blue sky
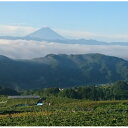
{"x":101,"y":20}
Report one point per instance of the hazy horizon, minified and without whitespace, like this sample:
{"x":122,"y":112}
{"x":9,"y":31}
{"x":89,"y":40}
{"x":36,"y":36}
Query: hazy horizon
{"x":102,"y":21}
{"x":105,"y":21}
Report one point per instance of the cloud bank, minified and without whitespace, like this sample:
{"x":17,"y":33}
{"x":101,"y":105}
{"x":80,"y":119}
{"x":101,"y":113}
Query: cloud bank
{"x":22,"y":49}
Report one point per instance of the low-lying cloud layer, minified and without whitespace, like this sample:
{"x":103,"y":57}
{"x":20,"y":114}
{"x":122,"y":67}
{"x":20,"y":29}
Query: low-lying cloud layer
{"x":22,"y":49}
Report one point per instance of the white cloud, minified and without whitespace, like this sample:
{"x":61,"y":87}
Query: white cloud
{"x":10,"y":30}
{"x":31,"y":49}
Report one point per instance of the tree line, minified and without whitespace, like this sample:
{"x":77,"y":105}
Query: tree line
{"x":113,"y":91}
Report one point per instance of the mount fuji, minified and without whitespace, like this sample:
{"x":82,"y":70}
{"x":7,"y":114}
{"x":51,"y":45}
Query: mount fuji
{"x":49,"y":35}
{"x":45,"y":34}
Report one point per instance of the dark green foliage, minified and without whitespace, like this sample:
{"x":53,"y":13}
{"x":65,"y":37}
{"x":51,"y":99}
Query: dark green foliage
{"x":120,"y":90}
{"x":113,"y":91}
{"x":117,"y":91}
{"x":52,"y":91}
{"x":8,"y":91}
{"x":69,"y":93}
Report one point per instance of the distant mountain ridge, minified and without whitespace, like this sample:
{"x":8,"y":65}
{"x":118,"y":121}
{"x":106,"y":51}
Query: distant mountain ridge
{"x":45,"y":34}
{"x":49,"y":35}
{"x":62,"y":71}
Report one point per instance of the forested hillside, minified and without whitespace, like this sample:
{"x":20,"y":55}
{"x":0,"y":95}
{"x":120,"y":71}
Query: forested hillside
{"x":62,"y":71}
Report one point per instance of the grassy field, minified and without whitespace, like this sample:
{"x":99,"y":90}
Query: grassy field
{"x":63,"y":112}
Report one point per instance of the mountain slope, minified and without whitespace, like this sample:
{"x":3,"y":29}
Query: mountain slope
{"x":45,"y":34}
{"x":62,"y":71}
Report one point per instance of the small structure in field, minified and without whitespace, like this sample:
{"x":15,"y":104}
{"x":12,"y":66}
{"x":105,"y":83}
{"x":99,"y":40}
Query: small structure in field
{"x":41,"y":101}
{"x":61,"y":89}
{"x":39,"y":104}
{"x":23,"y":97}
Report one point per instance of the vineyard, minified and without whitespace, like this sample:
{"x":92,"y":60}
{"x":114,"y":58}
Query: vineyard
{"x":64,"y":112}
